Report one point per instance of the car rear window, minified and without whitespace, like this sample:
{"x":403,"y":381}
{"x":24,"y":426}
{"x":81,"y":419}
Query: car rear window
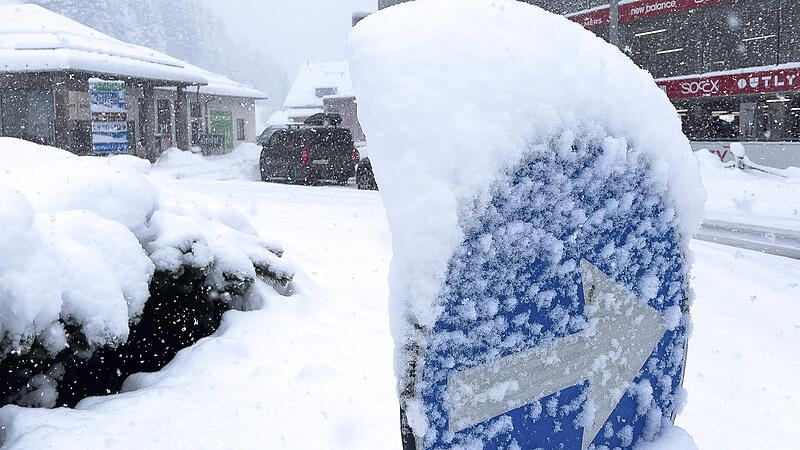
{"x":288,"y":140}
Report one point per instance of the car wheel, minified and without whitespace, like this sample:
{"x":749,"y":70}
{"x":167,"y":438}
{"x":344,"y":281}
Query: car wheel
{"x":296,"y":176}
{"x":365,"y":179}
{"x":263,"y":169}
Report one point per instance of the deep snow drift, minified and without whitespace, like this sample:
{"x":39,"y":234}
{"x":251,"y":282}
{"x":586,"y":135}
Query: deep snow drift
{"x":458,"y":99}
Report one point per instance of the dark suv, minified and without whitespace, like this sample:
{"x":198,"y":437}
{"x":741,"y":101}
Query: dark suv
{"x":316,"y":150}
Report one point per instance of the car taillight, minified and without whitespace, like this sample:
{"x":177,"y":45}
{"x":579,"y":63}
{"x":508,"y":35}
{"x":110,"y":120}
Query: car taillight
{"x":355,"y":155}
{"x":304,"y":158}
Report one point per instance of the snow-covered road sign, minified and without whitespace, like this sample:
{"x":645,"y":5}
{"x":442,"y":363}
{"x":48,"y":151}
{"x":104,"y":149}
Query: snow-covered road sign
{"x":625,"y":325}
{"x":562,"y":313}
{"x":539,"y":286}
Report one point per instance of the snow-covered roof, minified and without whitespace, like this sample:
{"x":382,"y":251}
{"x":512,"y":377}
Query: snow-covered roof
{"x":222,"y":85}
{"x":317,"y":81}
{"x":34,"y":39}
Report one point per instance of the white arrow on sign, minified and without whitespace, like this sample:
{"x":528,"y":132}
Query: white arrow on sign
{"x":626,"y":332}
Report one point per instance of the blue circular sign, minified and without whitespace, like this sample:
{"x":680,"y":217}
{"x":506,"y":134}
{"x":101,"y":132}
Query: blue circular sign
{"x":564,"y":313}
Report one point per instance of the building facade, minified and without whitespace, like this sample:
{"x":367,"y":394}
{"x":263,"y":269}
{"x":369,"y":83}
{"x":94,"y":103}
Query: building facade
{"x":730,"y":67}
{"x":45,"y":78}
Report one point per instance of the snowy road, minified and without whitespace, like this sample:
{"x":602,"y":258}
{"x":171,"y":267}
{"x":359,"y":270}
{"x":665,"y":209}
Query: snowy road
{"x":315,"y":370}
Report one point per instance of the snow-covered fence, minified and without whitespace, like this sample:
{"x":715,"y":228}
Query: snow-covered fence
{"x":103,"y":274}
{"x":541,"y":197}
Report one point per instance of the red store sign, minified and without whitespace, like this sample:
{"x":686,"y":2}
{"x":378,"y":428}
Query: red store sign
{"x":762,"y":82}
{"x":638,"y":10}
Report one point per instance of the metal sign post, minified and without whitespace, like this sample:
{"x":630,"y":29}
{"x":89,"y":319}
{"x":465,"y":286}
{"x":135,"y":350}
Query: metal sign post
{"x":613,"y":28}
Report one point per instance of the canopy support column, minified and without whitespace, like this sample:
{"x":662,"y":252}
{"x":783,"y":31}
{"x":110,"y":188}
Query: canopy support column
{"x":181,"y":119}
{"x":151,"y":150}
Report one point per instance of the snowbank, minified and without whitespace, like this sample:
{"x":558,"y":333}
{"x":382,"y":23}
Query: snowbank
{"x":71,"y":253}
{"x":455,"y":94}
{"x":751,"y":196}
{"x":241,"y":164}
{"x":83,"y":236}
{"x":672,"y":438}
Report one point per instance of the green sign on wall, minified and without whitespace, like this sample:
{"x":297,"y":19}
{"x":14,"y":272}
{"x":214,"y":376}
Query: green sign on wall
{"x":222,"y":123}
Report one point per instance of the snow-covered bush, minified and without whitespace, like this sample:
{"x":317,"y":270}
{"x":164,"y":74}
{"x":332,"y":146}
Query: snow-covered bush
{"x":91,"y":250}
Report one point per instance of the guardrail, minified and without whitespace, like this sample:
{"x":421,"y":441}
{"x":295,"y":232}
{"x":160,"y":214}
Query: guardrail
{"x":775,"y":241}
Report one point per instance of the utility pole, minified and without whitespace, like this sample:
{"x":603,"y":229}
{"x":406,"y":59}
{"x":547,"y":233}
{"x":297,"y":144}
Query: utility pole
{"x":613,"y":27}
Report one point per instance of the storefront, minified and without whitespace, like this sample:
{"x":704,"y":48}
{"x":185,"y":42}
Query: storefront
{"x":731,"y":67}
{"x":742,"y":105}
{"x":46,"y":77}
{"x":27,"y":114}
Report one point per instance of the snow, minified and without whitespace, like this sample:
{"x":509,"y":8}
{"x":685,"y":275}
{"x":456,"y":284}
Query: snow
{"x":223,"y":86}
{"x":240,"y":164}
{"x":453,"y":113}
{"x":71,"y":250}
{"x":743,"y":358}
{"x":58,"y":43}
{"x":298,"y":373}
{"x":315,"y":370}
{"x":54,"y":181}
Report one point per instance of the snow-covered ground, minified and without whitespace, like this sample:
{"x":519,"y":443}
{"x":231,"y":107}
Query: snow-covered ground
{"x":315,"y":370}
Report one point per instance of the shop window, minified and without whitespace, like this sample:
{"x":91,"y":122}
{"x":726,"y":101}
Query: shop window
{"x":164,"y":117}
{"x":13,"y":112}
{"x":325,"y":91}
{"x":741,"y":34}
{"x":27,"y":115}
{"x":196,"y":132}
{"x":666,"y":44}
{"x":240,"y":130}
{"x":752,"y":118}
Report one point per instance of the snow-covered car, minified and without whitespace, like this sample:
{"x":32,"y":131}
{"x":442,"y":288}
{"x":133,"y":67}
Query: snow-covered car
{"x":314,"y":151}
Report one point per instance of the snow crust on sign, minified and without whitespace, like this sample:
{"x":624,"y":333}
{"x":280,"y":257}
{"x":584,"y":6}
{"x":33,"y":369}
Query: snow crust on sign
{"x":83,"y":236}
{"x":455,"y":94}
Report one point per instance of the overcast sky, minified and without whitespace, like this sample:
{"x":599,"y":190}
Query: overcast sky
{"x":293,"y":31}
